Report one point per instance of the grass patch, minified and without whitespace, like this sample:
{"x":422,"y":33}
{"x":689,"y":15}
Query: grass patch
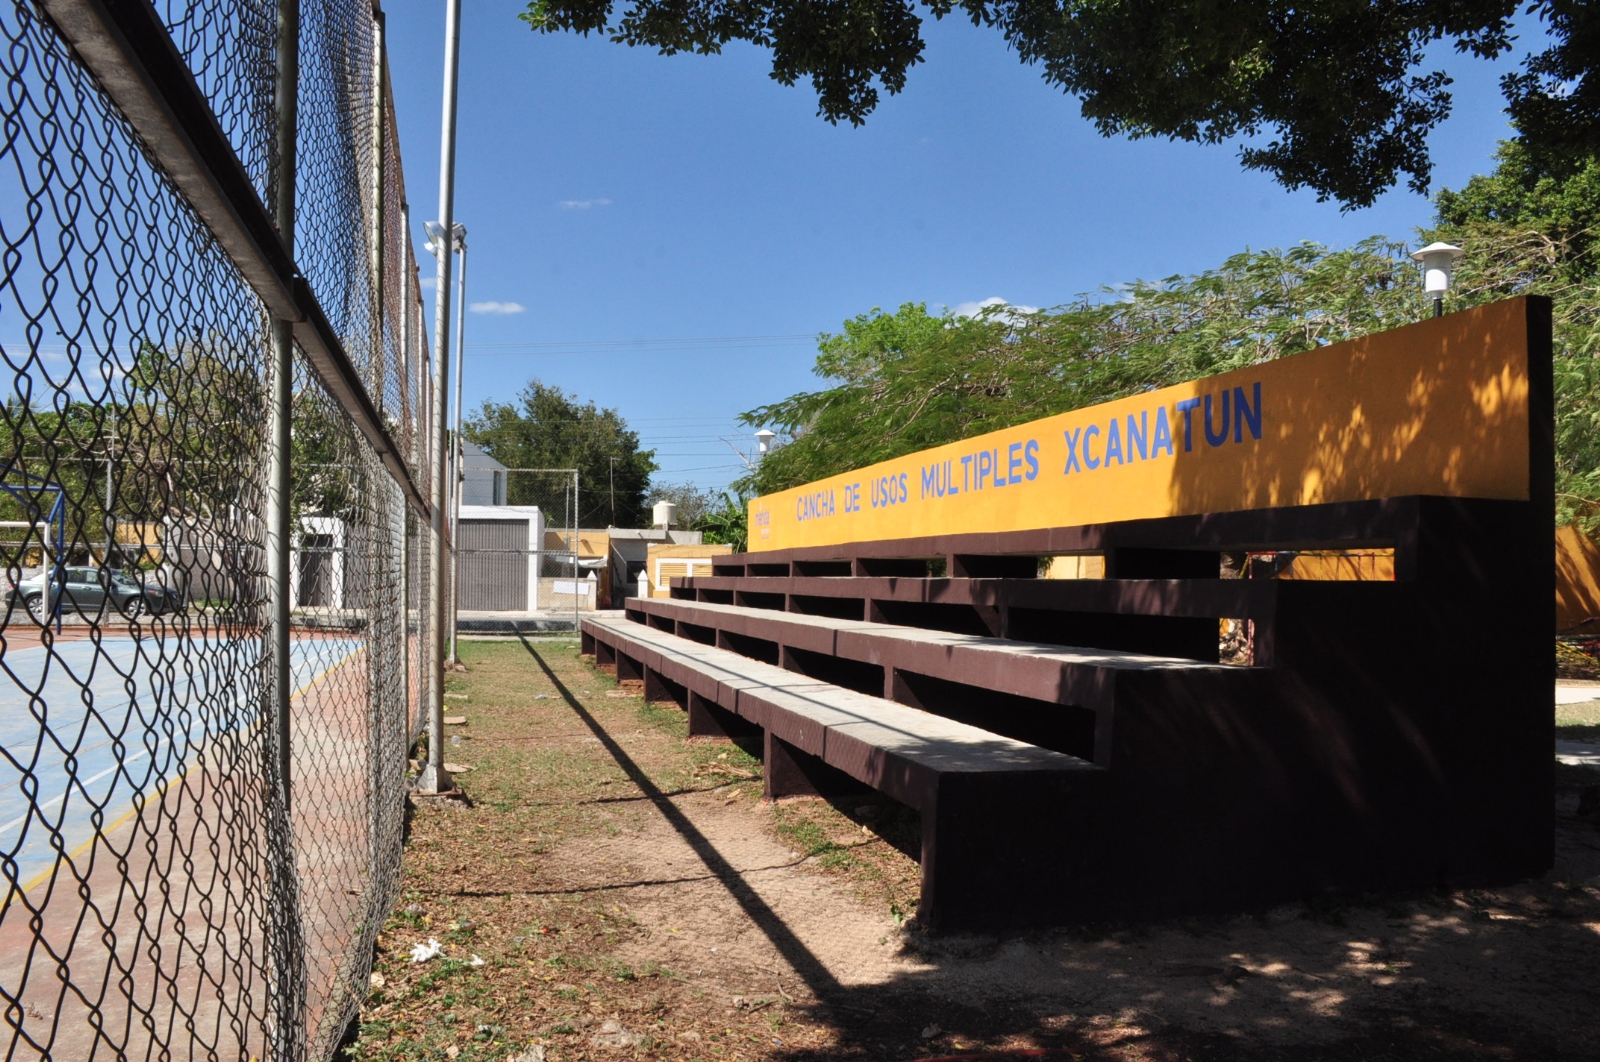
{"x":1579,"y":722}
{"x":505,"y":879}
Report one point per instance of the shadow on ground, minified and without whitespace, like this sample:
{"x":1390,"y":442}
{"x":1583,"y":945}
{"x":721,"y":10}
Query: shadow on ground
{"x":778,"y":959}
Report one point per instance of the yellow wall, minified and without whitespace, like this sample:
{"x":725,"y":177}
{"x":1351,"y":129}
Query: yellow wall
{"x":1439,"y":407}
{"x":590,"y":543}
{"x":678,"y":551}
{"x":1577,"y":581}
{"x":1085,"y":566}
{"x":1368,"y":565}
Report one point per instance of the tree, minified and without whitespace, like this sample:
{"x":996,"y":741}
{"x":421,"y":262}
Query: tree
{"x":548,"y":428}
{"x":1548,"y":216}
{"x":727,"y":524}
{"x":906,"y":381}
{"x":910,"y":380}
{"x":1336,"y":84}
{"x":174,"y":432}
{"x":693,"y":502}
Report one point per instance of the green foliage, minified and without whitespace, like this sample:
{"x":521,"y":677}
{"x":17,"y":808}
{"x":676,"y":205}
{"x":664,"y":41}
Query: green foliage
{"x":909,"y":380}
{"x":1562,"y":206}
{"x":177,"y":427}
{"x":1540,"y":223}
{"x":720,"y":518}
{"x":548,"y":428}
{"x":1337,"y":90}
{"x":693,"y":502}
{"x":728,"y":524}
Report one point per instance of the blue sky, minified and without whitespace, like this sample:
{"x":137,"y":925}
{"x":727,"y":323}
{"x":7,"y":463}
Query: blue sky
{"x":628,"y":201}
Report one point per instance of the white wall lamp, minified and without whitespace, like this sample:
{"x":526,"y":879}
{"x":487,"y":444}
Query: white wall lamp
{"x":764,"y":439}
{"x":1438,"y":262}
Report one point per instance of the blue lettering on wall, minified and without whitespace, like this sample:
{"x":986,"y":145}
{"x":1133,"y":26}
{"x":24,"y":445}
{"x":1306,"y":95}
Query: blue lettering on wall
{"x":1072,"y":451}
{"x":1240,"y":415}
{"x":1030,"y":454}
{"x":1186,"y":407}
{"x":1218,"y":438}
{"x":1138,"y":432}
{"x":814,"y":506}
{"x":1090,"y":462}
{"x":1114,"y":442}
{"x":1162,"y":439}
{"x":1014,"y":462}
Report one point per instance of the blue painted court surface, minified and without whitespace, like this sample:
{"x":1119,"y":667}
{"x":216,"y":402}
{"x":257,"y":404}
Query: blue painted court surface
{"x":88,"y":726}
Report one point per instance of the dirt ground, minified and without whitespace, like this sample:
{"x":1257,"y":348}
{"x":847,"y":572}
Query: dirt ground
{"x":614,"y":891}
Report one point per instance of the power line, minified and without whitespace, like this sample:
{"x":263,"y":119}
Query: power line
{"x":591,"y":344}
{"x":707,"y":345}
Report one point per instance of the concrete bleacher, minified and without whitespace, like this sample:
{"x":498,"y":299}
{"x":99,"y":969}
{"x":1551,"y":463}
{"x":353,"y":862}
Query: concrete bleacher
{"x":1372,"y":742}
{"x":815,"y":735}
{"x":1196,"y":740}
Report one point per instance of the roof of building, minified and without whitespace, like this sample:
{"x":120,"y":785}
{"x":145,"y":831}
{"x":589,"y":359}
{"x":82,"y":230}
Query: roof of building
{"x":473,"y":457}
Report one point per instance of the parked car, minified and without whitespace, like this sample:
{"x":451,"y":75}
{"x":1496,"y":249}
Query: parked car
{"x":92,"y":591}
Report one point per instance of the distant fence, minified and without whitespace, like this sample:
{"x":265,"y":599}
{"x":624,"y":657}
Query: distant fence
{"x":211,"y":320}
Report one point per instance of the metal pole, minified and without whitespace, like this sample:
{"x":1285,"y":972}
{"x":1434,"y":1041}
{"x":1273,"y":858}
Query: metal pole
{"x":411,"y":411}
{"x":111,"y":520}
{"x":279,"y":502}
{"x":457,"y":475}
{"x":379,"y":555}
{"x":435,"y":779}
{"x":288,"y":991}
{"x":577,"y":525}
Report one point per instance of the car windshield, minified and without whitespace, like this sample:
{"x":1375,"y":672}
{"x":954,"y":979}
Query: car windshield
{"x":124,"y":580}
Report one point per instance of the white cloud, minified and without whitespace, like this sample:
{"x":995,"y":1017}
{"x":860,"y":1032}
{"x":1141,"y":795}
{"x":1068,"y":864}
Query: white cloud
{"x":582,"y":204}
{"x":971,"y":309}
{"x":497,"y":307}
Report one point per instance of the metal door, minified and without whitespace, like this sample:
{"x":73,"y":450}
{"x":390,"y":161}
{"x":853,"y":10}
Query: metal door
{"x":316,"y":571}
{"x":494,"y":565}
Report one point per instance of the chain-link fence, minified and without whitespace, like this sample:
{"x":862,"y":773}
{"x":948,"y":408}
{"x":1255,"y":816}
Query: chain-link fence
{"x":523,"y":566}
{"x":211,"y":657}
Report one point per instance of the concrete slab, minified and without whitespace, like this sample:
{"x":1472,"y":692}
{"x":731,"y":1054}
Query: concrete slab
{"x":1576,"y":754}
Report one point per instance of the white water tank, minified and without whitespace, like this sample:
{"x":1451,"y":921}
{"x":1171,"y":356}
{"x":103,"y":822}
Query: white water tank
{"x":664,"y":514}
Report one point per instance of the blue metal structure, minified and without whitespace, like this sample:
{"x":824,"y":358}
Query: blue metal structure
{"x":55,"y":519}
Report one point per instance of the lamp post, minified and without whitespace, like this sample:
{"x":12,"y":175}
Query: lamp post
{"x":458,"y":244}
{"x":1438,"y":262}
{"x":764,"y":439}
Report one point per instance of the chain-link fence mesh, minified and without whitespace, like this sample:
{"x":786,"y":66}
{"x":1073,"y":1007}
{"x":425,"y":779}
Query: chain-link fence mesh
{"x":164,"y":897}
{"x":524,"y":568}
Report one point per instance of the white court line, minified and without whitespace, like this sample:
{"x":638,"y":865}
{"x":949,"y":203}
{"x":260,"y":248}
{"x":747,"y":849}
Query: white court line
{"x":86,"y":782}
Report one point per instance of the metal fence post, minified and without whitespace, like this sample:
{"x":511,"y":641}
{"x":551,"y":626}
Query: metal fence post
{"x":380,"y":547}
{"x":435,"y":779}
{"x":458,"y":474}
{"x":286,"y":1009}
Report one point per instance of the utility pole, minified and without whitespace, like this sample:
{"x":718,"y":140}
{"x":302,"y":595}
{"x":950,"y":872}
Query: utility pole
{"x":435,"y":779}
{"x":613,"y":485}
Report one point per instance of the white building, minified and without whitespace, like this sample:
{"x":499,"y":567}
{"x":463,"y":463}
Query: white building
{"x":498,"y":546}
